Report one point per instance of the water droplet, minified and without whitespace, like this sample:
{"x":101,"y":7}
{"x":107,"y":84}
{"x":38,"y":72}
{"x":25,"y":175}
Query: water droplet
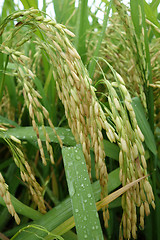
{"x":82,"y":163}
{"x":76,"y":210}
{"x":82,"y":185}
{"x":93,"y":227}
{"x":85,"y":178}
{"x":78,"y":157}
{"x":96,"y":227}
{"x":85,"y":218}
{"x":62,"y":137}
{"x":85,"y":200}
{"x":70,"y":164}
{"x":89,"y":195}
{"x":71,"y":189}
{"x":85,"y":236}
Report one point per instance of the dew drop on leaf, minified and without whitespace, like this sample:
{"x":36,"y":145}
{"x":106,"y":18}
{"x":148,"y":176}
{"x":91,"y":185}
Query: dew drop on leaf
{"x":78,"y":157}
{"x":82,"y":185}
{"x":62,"y":137}
{"x":71,"y":189}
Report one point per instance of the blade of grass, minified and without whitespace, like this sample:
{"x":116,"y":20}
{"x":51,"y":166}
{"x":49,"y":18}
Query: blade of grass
{"x":81,"y":28}
{"x":144,"y":125}
{"x":70,"y":236}
{"x":8,"y":121}
{"x":27,"y":133}
{"x":42,"y":93}
{"x":83,"y":202}
{"x":151,"y":14}
{"x":154,"y":4}
{"x":40,"y":228}
{"x":92,"y":65}
{"x":11,"y":90}
{"x":64,"y":10}
{"x":22,"y":208}
{"x":50,"y":91}
{"x":2,"y":80}
{"x":62,"y":212}
{"x":29,"y":3}
{"x":113,"y":183}
{"x":70,"y":223}
{"x":57,"y":9}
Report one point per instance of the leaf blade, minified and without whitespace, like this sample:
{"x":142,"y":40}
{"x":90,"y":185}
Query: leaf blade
{"x":83,"y":203}
{"x":144,"y":125}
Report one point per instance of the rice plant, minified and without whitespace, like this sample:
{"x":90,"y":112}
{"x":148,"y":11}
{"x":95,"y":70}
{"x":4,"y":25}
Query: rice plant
{"x":79,"y":120}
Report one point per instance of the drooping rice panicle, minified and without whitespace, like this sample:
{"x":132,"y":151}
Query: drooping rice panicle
{"x":131,"y":157}
{"x":73,"y":86}
{"x":4,"y":193}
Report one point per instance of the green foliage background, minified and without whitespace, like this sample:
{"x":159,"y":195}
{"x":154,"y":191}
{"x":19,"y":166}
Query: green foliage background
{"x":135,"y":56}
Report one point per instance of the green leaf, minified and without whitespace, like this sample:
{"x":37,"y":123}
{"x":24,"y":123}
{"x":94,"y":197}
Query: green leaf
{"x":154,"y":4}
{"x":29,"y":3}
{"x":113,"y":180}
{"x":22,"y":208}
{"x":151,"y":14}
{"x":42,"y":93}
{"x":63,"y":211}
{"x":27,"y":133}
{"x":135,"y":16}
{"x":111,"y":150}
{"x":92,"y":64}
{"x":10,"y":83}
{"x":144,"y":125}
{"x":70,"y":236}
{"x":64,"y":11}
{"x":80,"y":190}
{"x":81,"y":28}
{"x":8,"y":121}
